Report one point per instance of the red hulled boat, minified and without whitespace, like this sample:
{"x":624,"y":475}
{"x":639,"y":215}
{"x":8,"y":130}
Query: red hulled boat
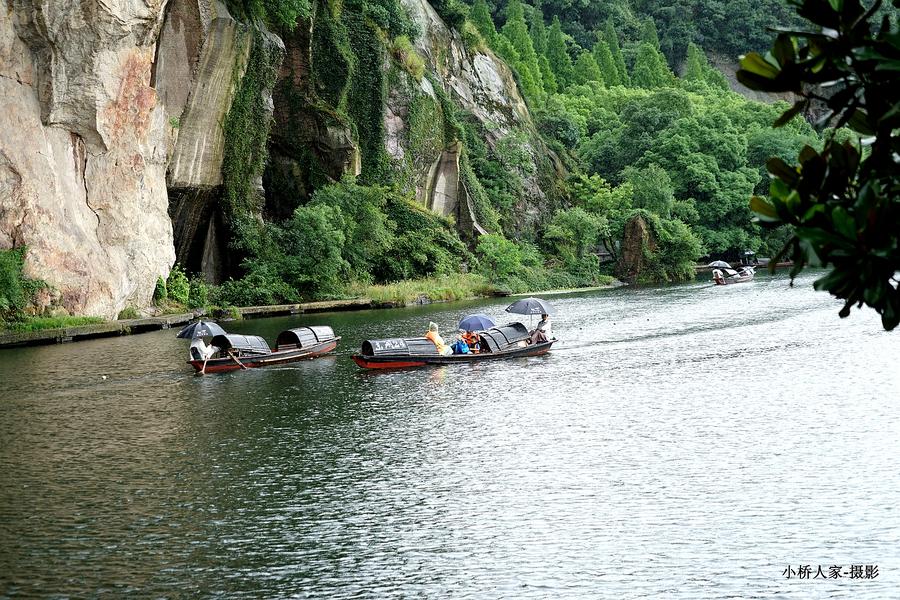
{"x":507,"y":341}
{"x":230,"y":351}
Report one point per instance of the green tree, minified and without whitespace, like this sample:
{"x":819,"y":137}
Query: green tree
{"x":612,"y":41}
{"x":500,"y":259}
{"x":453,"y":12}
{"x":480,"y":15}
{"x":697,"y":68}
{"x":650,"y":69}
{"x":695,"y":65}
{"x":558,"y":55}
{"x":586,"y":69}
{"x":547,"y":76}
{"x":649,"y":34}
{"x":516,"y":31}
{"x":606,"y":63}
{"x":367,"y":231}
{"x":13,"y":296}
{"x":575,"y":231}
{"x":843,"y":202}
{"x":652,"y":189}
{"x":537,"y":29}
{"x":311,"y":245}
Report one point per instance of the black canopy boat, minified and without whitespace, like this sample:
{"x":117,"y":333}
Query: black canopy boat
{"x":230,"y":351}
{"x":506,"y":341}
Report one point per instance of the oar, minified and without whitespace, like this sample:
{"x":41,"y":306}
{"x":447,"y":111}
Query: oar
{"x":234,"y":358}
{"x":203,"y":370}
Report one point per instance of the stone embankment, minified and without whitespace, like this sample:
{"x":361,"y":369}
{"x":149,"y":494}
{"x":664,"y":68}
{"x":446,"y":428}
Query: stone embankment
{"x":131,"y":326}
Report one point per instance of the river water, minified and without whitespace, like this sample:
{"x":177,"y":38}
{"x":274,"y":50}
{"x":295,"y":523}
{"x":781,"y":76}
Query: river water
{"x":686,"y":441}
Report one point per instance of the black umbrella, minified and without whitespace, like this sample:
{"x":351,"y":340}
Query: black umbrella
{"x":200,"y":329}
{"x":530,"y":306}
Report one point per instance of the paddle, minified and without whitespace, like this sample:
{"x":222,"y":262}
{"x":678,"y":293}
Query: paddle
{"x":234,"y":358}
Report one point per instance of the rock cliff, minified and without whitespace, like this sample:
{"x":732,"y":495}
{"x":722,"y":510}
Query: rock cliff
{"x":83,"y":150}
{"x":127,"y":127}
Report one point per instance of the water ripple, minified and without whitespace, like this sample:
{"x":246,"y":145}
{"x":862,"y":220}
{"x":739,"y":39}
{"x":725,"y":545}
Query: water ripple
{"x":688,"y":441}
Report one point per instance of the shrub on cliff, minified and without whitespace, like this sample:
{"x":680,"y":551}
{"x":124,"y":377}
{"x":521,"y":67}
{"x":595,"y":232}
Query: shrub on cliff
{"x":160,"y":292}
{"x":424,"y":244}
{"x":12,"y":292}
{"x":367,"y":230}
{"x":178,"y":286}
{"x":16,"y":290}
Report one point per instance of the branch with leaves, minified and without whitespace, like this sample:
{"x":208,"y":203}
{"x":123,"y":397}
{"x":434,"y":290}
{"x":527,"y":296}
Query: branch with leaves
{"x":843,"y":201}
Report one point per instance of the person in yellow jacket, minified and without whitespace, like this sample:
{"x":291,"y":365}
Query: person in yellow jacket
{"x":437,"y":340}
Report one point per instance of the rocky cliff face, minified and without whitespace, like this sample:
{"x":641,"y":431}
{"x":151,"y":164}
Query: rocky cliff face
{"x":83,"y":150}
{"x":115,"y":140}
{"x":483,"y":85}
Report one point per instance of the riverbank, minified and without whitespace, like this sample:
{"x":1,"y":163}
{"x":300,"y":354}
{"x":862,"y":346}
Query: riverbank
{"x":133,"y":326}
{"x":389,"y":299}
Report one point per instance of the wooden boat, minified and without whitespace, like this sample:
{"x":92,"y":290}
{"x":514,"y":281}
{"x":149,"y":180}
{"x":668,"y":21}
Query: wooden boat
{"x":728,"y":276}
{"x":232,"y":351}
{"x":507,"y":341}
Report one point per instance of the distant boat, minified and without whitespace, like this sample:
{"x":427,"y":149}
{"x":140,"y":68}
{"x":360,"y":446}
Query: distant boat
{"x":229,"y":352}
{"x":725,"y":276}
{"x":507,"y":341}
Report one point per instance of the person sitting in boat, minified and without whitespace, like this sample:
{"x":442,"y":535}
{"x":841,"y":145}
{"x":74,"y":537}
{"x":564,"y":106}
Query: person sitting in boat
{"x":543,"y":331}
{"x":459,"y":345}
{"x":201,"y":351}
{"x":436,"y":339}
{"x":472,"y":341}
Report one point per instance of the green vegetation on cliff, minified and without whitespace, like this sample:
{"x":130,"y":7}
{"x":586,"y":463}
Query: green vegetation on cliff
{"x":616,"y":136}
{"x":20,"y":307}
{"x":686,"y":149}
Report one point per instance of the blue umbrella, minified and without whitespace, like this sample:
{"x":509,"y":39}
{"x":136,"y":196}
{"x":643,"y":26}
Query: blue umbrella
{"x":476,"y":323}
{"x":200,"y":329}
{"x":530,"y":306}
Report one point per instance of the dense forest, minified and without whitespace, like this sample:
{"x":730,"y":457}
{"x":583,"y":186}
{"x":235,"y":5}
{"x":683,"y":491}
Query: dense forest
{"x":628,"y":118}
{"x":622,"y":93}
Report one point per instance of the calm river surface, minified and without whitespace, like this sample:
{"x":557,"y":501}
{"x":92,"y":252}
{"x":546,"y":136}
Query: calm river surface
{"x":686,"y":441}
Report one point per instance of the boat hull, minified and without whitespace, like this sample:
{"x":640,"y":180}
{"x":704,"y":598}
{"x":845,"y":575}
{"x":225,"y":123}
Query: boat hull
{"x":406,"y":361}
{"x":220,"y":365}
{"x":733,"y":280}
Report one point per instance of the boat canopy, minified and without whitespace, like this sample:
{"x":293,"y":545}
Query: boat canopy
{"x":252,"y":344}
{"x":500,"y":338}
{"x":400,"y":347}
{"x":303,"y":337}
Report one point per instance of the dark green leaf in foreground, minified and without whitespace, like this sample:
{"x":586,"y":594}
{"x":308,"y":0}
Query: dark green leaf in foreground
{"x":843,"y":201}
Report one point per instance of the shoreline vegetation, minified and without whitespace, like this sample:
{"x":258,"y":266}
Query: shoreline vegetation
{"x":431,"y":290}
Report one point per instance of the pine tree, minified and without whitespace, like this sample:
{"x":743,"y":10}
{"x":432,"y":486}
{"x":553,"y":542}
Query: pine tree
{"x":650,"y":68}
{"x":612,"y":40}
{"x":547,"y":74}
{"x":586,"y":69}
{"x":537,"y":29}
{"x":480,"y":15}
{"x":697,"y":68}
{"x":606,"y":63}
{"x":558,"y":55}
{"x":516,"y":31}
{"x":694,"y":66}
{"x":649,"y":33}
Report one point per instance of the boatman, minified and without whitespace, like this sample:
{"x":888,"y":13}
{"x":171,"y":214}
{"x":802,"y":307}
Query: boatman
{"x":543,"y":331}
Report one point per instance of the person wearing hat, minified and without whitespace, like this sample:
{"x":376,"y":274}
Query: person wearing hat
{"x":435,"y":337}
